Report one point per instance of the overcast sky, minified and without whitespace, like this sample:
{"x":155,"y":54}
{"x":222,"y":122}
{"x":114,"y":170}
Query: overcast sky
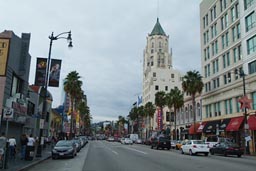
{"x":109,"y":37}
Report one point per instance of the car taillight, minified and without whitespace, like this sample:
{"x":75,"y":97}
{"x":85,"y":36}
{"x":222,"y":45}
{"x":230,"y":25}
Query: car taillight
{"x":230,"y":148}
{"x":194,"y":146}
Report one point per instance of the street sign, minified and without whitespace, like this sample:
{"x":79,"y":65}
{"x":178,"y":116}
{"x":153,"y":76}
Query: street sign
{"x":41,"y":126}
{"x":8,"y":113}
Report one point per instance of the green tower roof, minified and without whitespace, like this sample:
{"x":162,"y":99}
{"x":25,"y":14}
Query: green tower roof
{"x":157,"y":30}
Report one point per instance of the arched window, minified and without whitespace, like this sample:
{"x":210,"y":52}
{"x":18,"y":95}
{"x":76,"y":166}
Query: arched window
{"x":198,"y":109}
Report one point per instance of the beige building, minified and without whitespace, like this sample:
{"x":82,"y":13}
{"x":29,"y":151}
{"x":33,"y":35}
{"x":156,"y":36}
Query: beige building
{"x":228,"y":55}
{"x":158,"y":74}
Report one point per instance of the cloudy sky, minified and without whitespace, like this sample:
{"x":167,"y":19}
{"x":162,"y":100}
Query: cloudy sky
{"x":109,"y":37}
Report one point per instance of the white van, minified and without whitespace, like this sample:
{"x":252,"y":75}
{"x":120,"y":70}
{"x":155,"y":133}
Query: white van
{"x":133,"y":137}
{"x":214,"y":139}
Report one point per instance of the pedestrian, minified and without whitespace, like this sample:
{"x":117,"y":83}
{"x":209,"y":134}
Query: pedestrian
{"x":23,"y":143}
{"x":12,"y":147}
{"x":30,"y":149}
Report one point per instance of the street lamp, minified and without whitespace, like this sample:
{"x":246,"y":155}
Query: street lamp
{"x":246,"y":144}
{"x":44,"y":111}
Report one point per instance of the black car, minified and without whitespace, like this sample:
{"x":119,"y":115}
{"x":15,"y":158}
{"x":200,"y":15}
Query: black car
{"x":227,"y":148}
{"x":161,"y":142}
{"x":64,"y":148}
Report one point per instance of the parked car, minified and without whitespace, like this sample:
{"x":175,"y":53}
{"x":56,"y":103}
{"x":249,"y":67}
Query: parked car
{"x":64,"y":148}
{"x":161,"y":142}
{"x":128,"y":141}
{"x":78,"y":144}
{"x":195,"y":147}
{"x":138,"y":141}
{"x":111,"y":139}
{"x":214,"y":139}
{"x":227,"y":148}
{"x":148,"y":141}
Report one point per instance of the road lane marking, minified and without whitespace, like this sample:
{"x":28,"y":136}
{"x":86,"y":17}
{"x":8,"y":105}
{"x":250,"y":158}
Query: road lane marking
{"x":136,"y":150}
{"x":109,"y":148}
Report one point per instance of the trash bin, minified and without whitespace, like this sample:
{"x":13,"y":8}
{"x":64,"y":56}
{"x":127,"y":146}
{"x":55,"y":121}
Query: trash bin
{"x":30,"y":152}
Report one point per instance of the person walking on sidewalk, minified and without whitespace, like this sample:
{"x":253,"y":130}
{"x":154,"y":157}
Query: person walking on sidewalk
{"x":23,"y":144}
{"x":12,"y":147}
{"x":30,"y":149}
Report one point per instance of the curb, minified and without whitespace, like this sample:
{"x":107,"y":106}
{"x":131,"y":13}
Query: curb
{"x":86,"y":154}
{"x":33,"y":164}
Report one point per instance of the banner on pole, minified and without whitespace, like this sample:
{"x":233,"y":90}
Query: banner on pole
{"x":54,"y":75}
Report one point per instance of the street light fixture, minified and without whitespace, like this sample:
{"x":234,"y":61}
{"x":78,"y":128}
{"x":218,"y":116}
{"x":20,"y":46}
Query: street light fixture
{"x":44,"y":111}
{"x":245,"y":143}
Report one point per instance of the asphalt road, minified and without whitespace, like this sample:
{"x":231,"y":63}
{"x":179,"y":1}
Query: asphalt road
{"x":113,"y":156}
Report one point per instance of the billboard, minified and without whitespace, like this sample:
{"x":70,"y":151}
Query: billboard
{"x":54,"y":76}
{"x":41,"y":65}
{"x":4,"y":47}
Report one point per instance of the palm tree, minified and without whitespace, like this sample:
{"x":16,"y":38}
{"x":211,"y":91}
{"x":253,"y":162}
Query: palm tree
{"x":121,"y":121}
{"x":160,"y":102}
{"x":84,"y":111}
{"x":72,"y":86}
{"x":175,"y":99}
{"x":150,"y":110}
{"x":192,"y":83}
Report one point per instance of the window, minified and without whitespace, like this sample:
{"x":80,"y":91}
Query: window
{"x":216,"y":46}
{"x":238,"y":30}
{"x":152,"y":50}
{"x":208,"y":52}
{"x":166,"y":88}
{"x":226,"y":106}
{"x":224,"y":61}
{"x":16,"y":85}
{"x":254,"y":100}
{"x":172,"y":75}
{"x":239,"y":52}
{"x":156,"y":87}
{"x":204,"y":22}
{"x":251,"y":45}
{"x":252,"y":67}
{"x":235,"y":53}
{"x":237,"y":104}
{"x":223,"y":4}
{"x":226,"y":39}
{"x":248,"y":3}
{"x":154,"y":74}
{"x":234,"y":12}
{"x":228,"y":59}
{"x":250,"y":21}
{"x":234,"y":34}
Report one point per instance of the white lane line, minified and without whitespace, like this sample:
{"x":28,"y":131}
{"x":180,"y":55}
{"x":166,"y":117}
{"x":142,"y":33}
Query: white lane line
{"x":109,"y":148}
{"x":136,"y":150}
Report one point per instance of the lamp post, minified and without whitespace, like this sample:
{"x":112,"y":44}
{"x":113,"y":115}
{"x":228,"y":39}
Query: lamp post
{"x":44,"y":110}
{"x":246,"y":144}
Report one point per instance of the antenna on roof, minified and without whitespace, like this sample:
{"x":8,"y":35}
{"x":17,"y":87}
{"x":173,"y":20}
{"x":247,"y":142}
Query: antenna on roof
{"x":157,"y":8}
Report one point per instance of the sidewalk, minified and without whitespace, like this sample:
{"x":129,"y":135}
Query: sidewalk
{"x":21,"y":165}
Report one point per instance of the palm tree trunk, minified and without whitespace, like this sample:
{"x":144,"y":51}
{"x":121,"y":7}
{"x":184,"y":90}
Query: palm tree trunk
{"x":175,"y":124}
{"x":71,"y":121}
{"x":194,"y":115}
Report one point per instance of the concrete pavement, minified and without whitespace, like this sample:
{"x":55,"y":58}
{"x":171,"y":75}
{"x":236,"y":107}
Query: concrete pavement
{"x":20,"y":165}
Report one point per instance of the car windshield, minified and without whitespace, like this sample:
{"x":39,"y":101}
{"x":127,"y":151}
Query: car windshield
{"x":63,"y":144}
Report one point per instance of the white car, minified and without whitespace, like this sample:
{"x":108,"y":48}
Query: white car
{"x":138,"y":141}
{"x":128,"y":141}
{"x":194,"y":147}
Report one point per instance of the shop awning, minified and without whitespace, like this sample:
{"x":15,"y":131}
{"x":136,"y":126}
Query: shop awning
{"x":210,"y":126}
{"x":252,"y":122}
{"x":201,"y":127}
{"x":235,"y":124}
{"x":193,"y":128}
{"x":223,"y":124}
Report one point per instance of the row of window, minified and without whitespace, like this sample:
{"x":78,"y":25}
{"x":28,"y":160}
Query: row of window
{"x":226,"y":61}
{"x":213,"y":110}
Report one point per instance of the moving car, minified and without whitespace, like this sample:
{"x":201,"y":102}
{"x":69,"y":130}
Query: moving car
{"x":227,"y":148}
{"x":64,"y":148}
{"x":195,"y":147}
{"x":161,"y":142}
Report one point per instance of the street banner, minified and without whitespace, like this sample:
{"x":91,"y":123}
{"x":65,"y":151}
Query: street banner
{"x":54,"y":75}
{"x":159,"y":119}
{"x":41,"y":65}
{"x":4,"y":47}
{"x":8,"y":113}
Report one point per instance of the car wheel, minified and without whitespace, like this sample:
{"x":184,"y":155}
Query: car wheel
{"x":239,"y":155}
{"x":190,"y":152}
{"x":182,"y":152}
{"x":225,"y":154}
{"x":168,"y":148}
{"x":54,"y":158}
{"x":157,"y":147}
{"x":206,"y":154}
{"x":152,"y":147}
{"x":212,"y":153}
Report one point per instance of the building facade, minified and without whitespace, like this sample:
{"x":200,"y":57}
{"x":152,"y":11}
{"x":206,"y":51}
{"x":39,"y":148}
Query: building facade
{"x":14,"y":75}
{"x":158,"y":75}
{"x":228,"y":36}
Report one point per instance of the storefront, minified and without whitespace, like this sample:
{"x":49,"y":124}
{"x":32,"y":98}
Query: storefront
{"x":193,"y":131}
{"x":235,"y":129}
{"x":252,"y":127}
{"x":210,"y":127}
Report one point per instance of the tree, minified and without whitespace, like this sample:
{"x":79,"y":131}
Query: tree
{"x":160,"y":101}
{"x":85,"y":115}
{"x":175,"y":99}
{"x":150,"y":110}
{"x":72,"y":86}
{"x":192,"y":83}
